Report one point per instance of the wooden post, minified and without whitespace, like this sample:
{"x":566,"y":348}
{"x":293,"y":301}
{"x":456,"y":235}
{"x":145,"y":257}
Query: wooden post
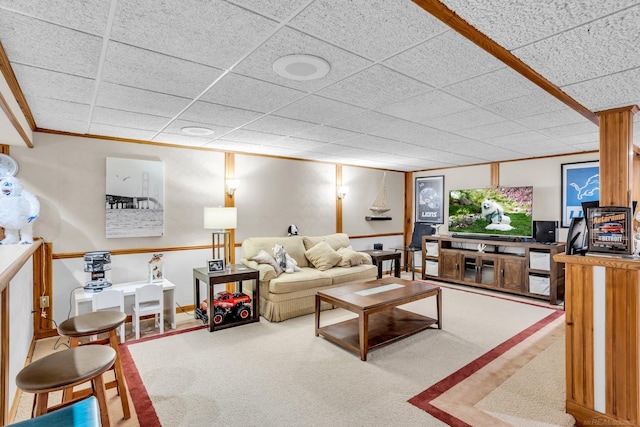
{"x":616,"y":156}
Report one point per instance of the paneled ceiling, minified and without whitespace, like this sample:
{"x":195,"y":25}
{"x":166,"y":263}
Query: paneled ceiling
{"x":404,"y":91}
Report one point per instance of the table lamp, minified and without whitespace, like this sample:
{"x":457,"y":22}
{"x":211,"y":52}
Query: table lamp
{"x":220,"y":220}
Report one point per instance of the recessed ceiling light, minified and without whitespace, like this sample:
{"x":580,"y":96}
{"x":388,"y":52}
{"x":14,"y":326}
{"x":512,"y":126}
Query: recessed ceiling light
{"x":197,"y":131}
{"x":301,"y":67}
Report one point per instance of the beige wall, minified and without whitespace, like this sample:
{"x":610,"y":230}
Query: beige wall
{"x":543,"y":174}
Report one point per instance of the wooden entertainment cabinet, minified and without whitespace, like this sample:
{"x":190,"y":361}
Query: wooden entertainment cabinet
{"x":523,"y":268}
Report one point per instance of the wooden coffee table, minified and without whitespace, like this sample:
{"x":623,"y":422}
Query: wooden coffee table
{"x":380,"y":321}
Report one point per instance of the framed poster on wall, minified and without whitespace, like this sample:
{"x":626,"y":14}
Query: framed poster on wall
{"x":134,"y":198}
{"x":429,"y":199}
{"x":610,"y":230}
{"x":580,"y":183}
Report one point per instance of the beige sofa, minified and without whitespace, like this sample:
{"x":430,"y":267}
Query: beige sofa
{"x":289,"y":295}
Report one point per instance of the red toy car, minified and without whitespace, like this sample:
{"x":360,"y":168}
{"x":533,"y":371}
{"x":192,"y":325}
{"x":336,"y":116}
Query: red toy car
{"x":227,"y":305}
{"x":611,"y":227}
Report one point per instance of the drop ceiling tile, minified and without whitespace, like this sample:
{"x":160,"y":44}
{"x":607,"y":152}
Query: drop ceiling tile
{"x":120,"y":132}
{"x":542,"y":148}
{"x":374,"y":87}
{"x":493,"y":130}
{"x":593,"y":50}
{"x":89,"y":16}
{"x":50,"y":84}
{"x":587,"y":138}
{"x":279,"y":125}
{"x":143,"y":101}
{"x":143,"y":69}
{"x":374,"y":29}
{"x":492,"y":153}
{"x":71,"y":113}
{"x":178,"y":139}
{"x":216,"y":33}
{"x":288,"y":41}
{"x":251,"y":137}
{"x":326,"y":134}
{"x":221,"y":144}
{"x":318,"y":110}
{"x":463,"y":120}
{"x":426,"y":106}
{"x":553,"y":119}
{"x":366,"y":122}
{"x":537,"y":102}
{"x":297,"y":144}
{"x":403,"y":130}
{"x":109,"y":116}
{"x":516,"y":138}
{"x":513,"y":24}
{"x":586,"y":127}
{"x":589,"y":146}
{"x":175,"y":127}
{"x":612,"y":91}
{"x":276,"y":9}
{"x":493,"y":87}
{"x":458,"y":59}
{"x":239,"y":91}
{"x":40,"y":44}
{"x":206,"y":112}
{"x":382,"y":145}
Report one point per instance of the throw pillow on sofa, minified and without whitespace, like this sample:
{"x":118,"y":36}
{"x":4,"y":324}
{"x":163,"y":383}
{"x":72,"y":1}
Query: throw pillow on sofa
{"x":322,"y":256}
{"x":351,"y":258}
{"x":264,"y":257}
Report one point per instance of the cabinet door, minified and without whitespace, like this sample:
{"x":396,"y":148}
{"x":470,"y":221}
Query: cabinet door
{"x":450,"y":265}
{"x":487,"y":266}
{"x":512,"y":273}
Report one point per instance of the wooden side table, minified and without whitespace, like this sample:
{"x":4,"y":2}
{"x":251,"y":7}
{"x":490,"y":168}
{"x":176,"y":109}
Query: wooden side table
{"x":237,"y":273}
{"x":379,"y":256}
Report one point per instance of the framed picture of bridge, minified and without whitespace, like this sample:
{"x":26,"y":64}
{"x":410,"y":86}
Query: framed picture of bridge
{"x":134,"y":198}
{"x":580,"y":184}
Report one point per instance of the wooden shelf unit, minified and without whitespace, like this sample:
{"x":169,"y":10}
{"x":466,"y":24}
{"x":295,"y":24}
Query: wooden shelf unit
{"x":521,"y":268}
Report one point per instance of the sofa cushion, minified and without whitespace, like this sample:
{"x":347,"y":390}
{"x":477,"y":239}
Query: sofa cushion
{"x":306,"y":278}
{"x":322,"y":256}
{"x":352,"y":258}
{"x":363,"y":272}
{"x":266,"y":271}
{"x":336,"y":240}
{"x":292,"y":244}
{"x":264,"y":257}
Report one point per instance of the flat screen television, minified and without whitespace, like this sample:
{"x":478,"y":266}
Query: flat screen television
{"x":502,"y":211}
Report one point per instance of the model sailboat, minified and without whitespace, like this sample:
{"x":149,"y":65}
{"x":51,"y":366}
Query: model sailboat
{"x":379,"y":206}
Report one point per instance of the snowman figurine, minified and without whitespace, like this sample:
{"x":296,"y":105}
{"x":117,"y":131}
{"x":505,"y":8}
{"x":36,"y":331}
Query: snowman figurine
{"x":18,"y":210}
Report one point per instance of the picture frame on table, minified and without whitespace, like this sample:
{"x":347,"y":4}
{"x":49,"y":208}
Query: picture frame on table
{"x":429,"y":199}
{"x":609,"y":230}
{"x":580,"y":184}
{"x":215,"y":265}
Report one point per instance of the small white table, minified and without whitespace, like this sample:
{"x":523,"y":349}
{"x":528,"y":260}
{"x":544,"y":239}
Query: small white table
{"x":81,"y":296}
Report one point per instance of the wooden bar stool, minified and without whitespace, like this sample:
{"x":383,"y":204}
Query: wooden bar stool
{"x":64,"y":369}
{"x":95,"y":323}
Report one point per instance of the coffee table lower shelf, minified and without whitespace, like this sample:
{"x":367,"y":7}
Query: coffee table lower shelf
{"x":384,"y":328}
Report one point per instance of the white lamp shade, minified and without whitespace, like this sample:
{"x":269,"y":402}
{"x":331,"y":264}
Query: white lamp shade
{"x":220,"y":218}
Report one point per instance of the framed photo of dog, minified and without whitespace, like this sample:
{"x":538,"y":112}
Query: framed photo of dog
{"x":215,"y":265}
{"x":580,"y":183}
{"x":429,"y":200}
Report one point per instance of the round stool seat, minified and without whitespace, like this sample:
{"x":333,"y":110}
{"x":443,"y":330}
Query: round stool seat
{"x":92,"y":323}
{"x":65,"y":368}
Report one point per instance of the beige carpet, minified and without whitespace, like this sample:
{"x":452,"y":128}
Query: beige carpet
{"x":500,"y":362}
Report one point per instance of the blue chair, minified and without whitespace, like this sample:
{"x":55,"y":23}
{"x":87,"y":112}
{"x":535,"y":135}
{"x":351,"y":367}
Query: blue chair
{"x":84,"y":413}
{"x":419,"y":229}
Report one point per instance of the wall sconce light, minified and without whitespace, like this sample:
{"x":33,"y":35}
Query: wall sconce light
{"x":232,"y":186}
{"x":342,"y":192}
